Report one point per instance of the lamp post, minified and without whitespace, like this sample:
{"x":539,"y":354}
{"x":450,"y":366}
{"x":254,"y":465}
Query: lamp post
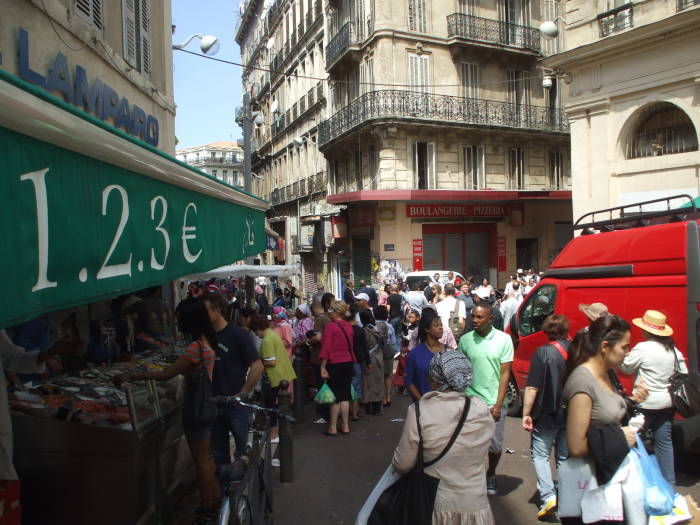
{"x":209,"y":44}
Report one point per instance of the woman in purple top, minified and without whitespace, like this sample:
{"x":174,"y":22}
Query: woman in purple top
{"x":429,"y":334}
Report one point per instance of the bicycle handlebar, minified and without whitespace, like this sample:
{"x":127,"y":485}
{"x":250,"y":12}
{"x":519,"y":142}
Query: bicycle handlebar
{"x":235,"y":400}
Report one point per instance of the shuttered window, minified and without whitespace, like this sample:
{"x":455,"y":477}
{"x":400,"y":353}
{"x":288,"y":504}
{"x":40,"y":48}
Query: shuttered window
{"x":474,"y":177}
{"x":361,"y":260}
{"x":310,"y":275}
{"x":418,"y":72}
{"x":470,"y":80}
{"x":418,"y":15}
{"x":136,"y":16}
{"x":91,"y":11}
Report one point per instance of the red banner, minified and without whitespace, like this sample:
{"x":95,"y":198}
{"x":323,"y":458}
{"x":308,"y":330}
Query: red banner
{"x":455,"y":210}
{"x":417,"y":246}
{"x":501,"y":246}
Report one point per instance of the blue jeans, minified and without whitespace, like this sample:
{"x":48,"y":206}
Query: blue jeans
{"x":233,"y":419}
{"x":545,"y":438}
{"x":660,"y":423}
{"x":396,"y":325}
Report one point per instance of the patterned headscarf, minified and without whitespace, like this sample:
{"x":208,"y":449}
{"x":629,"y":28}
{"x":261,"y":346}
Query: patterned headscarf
{"x":451,"y":369}
{"x":304,"y":309}
{"x":280,"y":313}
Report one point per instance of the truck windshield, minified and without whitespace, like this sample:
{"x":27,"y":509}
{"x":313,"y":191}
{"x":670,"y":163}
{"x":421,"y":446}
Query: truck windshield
{"x":539,"y":305}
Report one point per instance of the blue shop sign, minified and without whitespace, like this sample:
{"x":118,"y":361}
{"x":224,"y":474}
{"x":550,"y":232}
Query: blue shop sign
{"x":97,"y":98}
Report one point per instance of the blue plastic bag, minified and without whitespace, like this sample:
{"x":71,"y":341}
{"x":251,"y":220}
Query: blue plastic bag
{"x":658,"y":493}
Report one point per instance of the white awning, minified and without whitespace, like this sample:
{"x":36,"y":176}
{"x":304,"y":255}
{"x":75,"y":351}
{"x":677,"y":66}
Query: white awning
{"x":248,"y":270}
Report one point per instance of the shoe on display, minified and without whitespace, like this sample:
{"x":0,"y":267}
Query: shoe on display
{"x":547,"y":508}
{"x":491,"y":488}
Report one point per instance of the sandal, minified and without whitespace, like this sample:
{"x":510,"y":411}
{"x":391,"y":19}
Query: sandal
{"x":354,"y":418}
{"x":343,"y":431}
{"x":326,"y":433}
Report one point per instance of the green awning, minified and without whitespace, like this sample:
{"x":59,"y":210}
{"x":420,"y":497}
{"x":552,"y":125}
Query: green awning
{"x":89,"y":212}
{"x":696,"y":200}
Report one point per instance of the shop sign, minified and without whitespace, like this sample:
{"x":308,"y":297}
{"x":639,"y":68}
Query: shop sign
{"x":76,"y":229}
{"x":389,"y":248}
{"x":417,"y":246}
{"x":387,"y":213}
{"x":455,"y":210}
{"x":96,"y":98}
{"x":501,"y":247}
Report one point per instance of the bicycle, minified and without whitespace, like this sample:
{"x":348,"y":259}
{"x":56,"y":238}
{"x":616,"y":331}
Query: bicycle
{"x":248,"y":480}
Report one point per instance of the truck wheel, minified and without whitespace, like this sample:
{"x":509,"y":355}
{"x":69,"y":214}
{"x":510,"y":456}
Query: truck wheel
{"x":514,"y":405}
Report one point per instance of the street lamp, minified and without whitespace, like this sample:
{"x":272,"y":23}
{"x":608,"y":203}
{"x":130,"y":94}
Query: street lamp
{"x":208,"y":44}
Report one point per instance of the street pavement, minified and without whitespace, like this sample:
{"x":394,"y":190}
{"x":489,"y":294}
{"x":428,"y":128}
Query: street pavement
{"x":334,"y":475}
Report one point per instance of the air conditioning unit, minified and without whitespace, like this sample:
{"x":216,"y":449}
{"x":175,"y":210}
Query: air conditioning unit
{"x":294,"y":244}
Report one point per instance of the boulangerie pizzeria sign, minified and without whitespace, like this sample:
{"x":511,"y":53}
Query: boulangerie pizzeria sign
{"x":455,"y":210}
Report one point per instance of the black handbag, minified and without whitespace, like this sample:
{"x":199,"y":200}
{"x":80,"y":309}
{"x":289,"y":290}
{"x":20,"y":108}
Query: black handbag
{"x":685,"y":391}
{"x":411,"y":499}
{"x":197,"y":408}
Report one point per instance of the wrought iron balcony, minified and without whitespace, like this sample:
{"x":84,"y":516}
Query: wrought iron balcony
{"x":310,"y":98}
{"x":616,"y":19}
{"x":685,"y":4}
{"x":493,"y":31}
{"x":319,"y":91}
{"x":439,"y":109}
{"x":340,"y":44}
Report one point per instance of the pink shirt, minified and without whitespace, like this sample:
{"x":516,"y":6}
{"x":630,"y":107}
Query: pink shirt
{"x":334,"y":345}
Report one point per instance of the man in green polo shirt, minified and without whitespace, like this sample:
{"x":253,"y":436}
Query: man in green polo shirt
{"x":491,"y":354}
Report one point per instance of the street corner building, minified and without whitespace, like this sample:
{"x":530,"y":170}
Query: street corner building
{"x":95,"y":206}
{"x":434,"y":143}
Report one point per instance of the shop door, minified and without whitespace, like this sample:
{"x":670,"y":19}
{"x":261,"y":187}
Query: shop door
{"x":432,"y":252}
{"x":361,"y":260}
{"x":477,"y":255}
{"x":526,"y":253}
{"x":465,"y":248}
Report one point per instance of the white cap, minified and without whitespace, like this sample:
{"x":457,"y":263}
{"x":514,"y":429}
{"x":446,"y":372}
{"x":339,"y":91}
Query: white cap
{"x":362,"y":297}
{"x":520,"y":270}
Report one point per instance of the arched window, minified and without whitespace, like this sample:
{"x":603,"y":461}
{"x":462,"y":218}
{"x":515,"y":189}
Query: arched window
{"x":662,"y":129}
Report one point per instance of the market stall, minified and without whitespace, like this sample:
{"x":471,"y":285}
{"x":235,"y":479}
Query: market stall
{"x":90,"y":213}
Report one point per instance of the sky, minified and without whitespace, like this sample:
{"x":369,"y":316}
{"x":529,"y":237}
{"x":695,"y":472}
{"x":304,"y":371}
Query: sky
{"x":206,"y":92}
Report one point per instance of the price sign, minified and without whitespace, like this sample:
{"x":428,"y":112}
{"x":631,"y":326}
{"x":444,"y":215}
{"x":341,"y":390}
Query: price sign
{"x":76,"y":229}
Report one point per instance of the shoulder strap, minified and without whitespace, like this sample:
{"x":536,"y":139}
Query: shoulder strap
{"x":455,"y":434}
{"x":419,"y":459}
{"x":347,"y":340}
{"x":676,"y":363}
{"x":558,"y":346}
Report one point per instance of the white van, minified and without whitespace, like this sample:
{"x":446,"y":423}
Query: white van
{"x":413,"y":277}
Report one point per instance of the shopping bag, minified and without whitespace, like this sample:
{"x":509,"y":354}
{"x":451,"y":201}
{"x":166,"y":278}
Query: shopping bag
{"x":325,"y":395}
{"x":679,"y":514}
{"x":389,"y":477}
{"x":633,"y":493}
{"x":605,"y":502}
{"x":353,"y":393}
{"x":658,"y":494}
{"x":576,"y":476}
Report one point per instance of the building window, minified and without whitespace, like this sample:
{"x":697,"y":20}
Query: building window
{"x":467,"y":7}
{"x":423,"y":154}
{"x":556,"y":170}
{"x":418,"y":72}
{"x":215,"y":173}
{"x":136,"y":16}
{"x":662,"y":129}
{"x":516,"y":168}
{"x":470,"y":80}
{"x":358,"y":171}
{"x":474,"y":176}
{"x":91,"y":11}
{"x":373,"y":167}
{"x":418,"y":15}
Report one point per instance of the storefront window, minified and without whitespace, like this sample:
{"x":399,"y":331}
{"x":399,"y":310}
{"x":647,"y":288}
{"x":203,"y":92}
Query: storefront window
{"x":538,"y":307}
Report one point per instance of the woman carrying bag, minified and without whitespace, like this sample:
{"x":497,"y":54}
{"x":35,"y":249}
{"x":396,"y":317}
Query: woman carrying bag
{"x":653,"y":362}
{"x":337,"y":366}
{"x":442,"y":453}
{"x":198,"y":414}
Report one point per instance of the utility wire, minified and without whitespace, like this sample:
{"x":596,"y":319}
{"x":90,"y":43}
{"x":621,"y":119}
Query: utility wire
{"x":46,"y":12}
{"x":267,"y":70}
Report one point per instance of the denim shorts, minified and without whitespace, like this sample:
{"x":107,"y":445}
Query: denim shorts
{"x":497,"y":439}
{"x":357,"y":379}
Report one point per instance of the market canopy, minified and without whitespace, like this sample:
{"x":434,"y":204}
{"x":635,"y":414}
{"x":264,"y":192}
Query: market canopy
{"x":90,"y":212}
{"x":248,"y":270}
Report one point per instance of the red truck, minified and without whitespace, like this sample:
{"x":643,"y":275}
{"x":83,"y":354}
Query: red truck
{"x":631,"y":262}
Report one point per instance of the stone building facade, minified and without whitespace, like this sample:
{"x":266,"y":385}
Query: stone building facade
{"x":633,"y":76}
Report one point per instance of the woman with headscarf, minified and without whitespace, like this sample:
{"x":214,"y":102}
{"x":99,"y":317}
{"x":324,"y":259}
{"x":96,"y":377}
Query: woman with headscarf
{"x":304,"y":323}
{"x":373,"y":374}
{"x":264,"y":307}
{"x":460,"y":498}
{"x":283,"y":329}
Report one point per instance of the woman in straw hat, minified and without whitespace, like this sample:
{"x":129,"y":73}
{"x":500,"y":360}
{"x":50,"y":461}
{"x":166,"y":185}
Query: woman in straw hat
{"x":653,"y":362}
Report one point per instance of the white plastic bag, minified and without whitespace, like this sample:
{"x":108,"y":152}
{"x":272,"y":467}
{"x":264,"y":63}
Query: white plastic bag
{"x":605,"y":501}
{"x":389,"y":477}
{"x":633,"y":493}
{"x":576,"y":476}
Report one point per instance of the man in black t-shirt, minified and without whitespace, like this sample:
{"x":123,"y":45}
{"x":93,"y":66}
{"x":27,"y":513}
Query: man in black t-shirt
{"x":395,"y":303}
{"x":236,"y":372}
{"x":543,"y":412}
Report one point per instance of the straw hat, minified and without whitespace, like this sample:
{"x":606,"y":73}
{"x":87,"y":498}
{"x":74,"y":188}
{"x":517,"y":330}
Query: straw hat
{"x":653,"y":322}
{"x":593,"y":311}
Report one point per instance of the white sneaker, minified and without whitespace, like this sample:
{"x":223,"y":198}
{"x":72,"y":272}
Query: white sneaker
{"x":547,"y":508}
{"x":275,"y":462}
{"x":320,"y":421}
{"x":491,"y":488}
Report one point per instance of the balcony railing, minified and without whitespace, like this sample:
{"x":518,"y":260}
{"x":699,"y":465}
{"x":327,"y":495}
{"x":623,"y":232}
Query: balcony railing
{"x":275,"y":64}
{"x":310,"y":98}
{"x":616,"y":19}
{"x":295,"y":113}
{"x":486,"y":30}
{"x":340,"y":43}
{"x":411,"y":105}
{"x":685,"y":4}
{"x":302,"y":188}
{"x":302,"y":105}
